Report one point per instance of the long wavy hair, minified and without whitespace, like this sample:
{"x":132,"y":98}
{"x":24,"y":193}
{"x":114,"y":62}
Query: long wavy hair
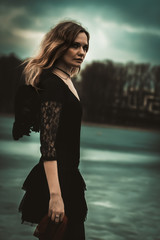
{"x":54,"y":44}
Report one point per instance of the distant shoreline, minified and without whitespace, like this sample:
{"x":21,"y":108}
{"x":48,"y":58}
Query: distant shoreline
{"x":107,"y":125}
{"x":104,"y":125}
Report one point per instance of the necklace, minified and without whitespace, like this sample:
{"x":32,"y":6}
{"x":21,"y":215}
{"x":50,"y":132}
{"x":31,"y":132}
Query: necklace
{"x":65,"y":79}
{"x":64,"y":72}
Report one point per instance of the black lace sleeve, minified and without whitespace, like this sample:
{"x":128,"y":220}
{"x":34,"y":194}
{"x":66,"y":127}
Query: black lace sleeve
{"x":50,"y":114}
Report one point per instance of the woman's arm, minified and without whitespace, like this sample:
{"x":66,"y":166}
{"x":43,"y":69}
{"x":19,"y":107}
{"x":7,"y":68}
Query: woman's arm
{"x":56,"y":205}
{"x":50,"y":114}
{"x":52,"y":99}
{"x":52,"y":177}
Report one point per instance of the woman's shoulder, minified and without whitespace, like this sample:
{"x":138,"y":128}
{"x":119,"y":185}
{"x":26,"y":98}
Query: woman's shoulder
{"x":48,"y":79}
{"x":51,"y":86}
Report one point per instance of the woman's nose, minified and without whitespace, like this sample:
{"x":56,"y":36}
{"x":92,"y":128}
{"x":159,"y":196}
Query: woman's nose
{"x":81,"y":51}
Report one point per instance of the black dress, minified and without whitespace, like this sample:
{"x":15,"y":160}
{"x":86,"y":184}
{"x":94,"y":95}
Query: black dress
{"x":60,"y":125}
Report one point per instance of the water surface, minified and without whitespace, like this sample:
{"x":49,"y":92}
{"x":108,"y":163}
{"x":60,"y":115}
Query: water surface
{"x":122,"y":171}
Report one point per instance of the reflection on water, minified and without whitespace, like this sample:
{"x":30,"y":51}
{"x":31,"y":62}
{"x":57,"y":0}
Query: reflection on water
{"x":121,"y":157}
{"x":121,"y":169}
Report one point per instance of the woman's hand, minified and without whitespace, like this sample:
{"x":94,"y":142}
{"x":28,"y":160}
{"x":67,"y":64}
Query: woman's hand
{"x":56,"y":208}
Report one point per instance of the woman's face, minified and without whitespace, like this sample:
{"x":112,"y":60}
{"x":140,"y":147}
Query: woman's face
{"x":75,"y":55}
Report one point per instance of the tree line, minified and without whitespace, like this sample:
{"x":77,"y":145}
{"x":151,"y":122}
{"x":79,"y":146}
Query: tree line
{"x":113,"y":93}
{"x":123,"y":94}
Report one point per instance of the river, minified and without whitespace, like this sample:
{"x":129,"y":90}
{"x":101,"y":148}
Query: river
{"x":121,"y":168}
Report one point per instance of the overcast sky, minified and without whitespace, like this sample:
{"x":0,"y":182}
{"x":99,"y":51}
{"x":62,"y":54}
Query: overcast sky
{"x":121,"y":30}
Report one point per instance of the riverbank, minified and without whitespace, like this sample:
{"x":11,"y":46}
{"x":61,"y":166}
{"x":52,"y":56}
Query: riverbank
{"x":103,"y":125}
{"x":106,"y":125}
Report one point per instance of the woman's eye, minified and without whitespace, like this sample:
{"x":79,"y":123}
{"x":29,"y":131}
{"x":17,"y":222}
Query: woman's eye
{"x":85,"y":48}
{"x":75,"y":45}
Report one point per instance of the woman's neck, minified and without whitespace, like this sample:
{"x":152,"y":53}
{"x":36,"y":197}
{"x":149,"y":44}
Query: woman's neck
{"x":60,"y":69}
{"x":60,"y":72}
{"x":63,"y":70}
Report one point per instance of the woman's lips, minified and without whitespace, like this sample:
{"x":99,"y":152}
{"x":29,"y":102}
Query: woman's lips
{"x":79,"y":59}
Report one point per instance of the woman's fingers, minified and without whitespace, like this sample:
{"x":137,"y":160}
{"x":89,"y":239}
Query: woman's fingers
{"x":49,"y":213}
{"x":61,"y":217}
{"x":57,"y":217}
{"x":56,"y":209}
{"x":53,"y":216}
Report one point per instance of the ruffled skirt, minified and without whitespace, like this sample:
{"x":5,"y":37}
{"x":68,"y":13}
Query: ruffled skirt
{"x":35,"y":202}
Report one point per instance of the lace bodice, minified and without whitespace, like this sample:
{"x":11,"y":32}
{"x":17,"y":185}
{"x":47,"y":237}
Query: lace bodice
{"x":50,"y":114}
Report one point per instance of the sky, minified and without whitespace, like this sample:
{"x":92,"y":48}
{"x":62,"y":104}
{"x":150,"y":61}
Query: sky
{"x":120,"y":30}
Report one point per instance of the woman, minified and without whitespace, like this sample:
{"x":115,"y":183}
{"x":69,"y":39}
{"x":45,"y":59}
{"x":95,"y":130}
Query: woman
{"x":55,"y":185}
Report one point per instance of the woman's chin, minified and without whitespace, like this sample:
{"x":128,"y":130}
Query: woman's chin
{"x":76,"y":65}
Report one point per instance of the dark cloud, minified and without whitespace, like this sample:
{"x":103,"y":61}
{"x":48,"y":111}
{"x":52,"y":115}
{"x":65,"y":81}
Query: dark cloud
{"x":10,"y":43}
{"x":137,"y":12}
{"x":23,"y":18}
{"x":24,"y":21}
{"x":149,"y":47}
{"x":142,"y":45}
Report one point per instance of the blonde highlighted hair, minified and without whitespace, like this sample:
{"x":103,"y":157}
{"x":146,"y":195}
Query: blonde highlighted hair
{"x":54,"y":44}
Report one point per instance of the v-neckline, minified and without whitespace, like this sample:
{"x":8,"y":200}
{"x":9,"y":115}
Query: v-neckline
{"x":67,"y":87}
